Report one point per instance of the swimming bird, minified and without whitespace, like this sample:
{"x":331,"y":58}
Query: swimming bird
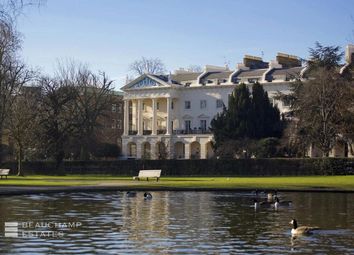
{"x":278,"y":203}
{"x":147,"y":196}
{"x":263,"y":204}
{"x":131,"y":194}
{"x":303,"y":230}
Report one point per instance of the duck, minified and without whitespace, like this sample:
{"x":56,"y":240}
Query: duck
{"x":303,"y":230}
{"x":147,"y":196}
{"x":277,"y":203}
{"x":131,"y":194}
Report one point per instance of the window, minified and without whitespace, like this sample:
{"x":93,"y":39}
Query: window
{"x":187,"y":104}
{"x":203,"y":125}
{"x":119,"y":124}
{"x":187,"y":125}
{"x":253,"y":80}
{"x":120,"y":108}
{"x":114,"y":107}
{"x":158,"y":106}
{"x":219,"y":103}
{"x":188,"y":84}
{"x":172,"y":105}
{"x":210,"y":81}
{"x":203,"y":104}
{"x":114,"y":123}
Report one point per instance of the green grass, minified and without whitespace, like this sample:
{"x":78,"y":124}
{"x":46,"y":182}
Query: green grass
{"x":305,"y":182}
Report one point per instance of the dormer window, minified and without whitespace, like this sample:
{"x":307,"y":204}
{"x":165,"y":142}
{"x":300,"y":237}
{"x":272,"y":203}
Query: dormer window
{"x":253,"y":80}
{"x":188,"y":84}
{"x":236,"y":80}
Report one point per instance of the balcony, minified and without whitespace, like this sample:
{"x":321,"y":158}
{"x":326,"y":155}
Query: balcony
{"x":190,"y":131}
{"x":161,"y":131}
{"x":132,"y":132}
{"x":147,"y":132}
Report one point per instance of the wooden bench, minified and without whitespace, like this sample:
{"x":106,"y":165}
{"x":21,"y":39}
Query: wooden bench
{"x":154,"y":173}
{"x":4,"y":172}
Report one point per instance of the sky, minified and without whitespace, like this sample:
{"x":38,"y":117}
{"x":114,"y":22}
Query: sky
{"x":108,"y":35}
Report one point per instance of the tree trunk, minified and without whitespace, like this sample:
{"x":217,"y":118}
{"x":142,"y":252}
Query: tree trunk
{"x":19,"y":163}
{"x":59,"y":168}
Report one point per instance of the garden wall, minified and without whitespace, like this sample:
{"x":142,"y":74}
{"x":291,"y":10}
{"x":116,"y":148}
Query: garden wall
{"x":215,"y":167}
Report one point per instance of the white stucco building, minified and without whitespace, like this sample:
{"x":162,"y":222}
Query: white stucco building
{"x":168,"y":116}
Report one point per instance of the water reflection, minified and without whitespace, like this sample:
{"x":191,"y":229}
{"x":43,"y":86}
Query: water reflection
{"x":180,"y":223}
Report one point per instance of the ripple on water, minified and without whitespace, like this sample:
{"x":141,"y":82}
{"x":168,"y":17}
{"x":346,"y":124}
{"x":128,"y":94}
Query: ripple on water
{"x":180,"y":223}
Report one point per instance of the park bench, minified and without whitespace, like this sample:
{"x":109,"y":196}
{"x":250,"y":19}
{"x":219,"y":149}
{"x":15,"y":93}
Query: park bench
{"x":155,"y":173}
{"x":4,"y":172}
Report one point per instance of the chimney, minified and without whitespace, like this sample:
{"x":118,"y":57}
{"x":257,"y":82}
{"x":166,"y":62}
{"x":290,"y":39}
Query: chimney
{"x":254,"y":62}
{"x":288,"y":61}
{"x":349,"y":54}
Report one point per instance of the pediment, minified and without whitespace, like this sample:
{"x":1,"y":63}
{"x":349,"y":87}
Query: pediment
{"x":203,"y":116}
{"x":145,"y":81}
{"x":187,"y":117}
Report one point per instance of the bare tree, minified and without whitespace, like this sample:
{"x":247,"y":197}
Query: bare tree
{"x":13,"y":73}
{"x":22,"y":122}
{"x":94,"y":97}
{"x":57,"y":117}
{"x":321,"y":102}
{"x":147,"y":65}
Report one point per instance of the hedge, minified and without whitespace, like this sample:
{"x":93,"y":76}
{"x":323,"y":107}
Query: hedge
{"x":202,"y":167}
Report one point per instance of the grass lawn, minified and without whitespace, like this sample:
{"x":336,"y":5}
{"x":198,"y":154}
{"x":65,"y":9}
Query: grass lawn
{"x":305,"y":182}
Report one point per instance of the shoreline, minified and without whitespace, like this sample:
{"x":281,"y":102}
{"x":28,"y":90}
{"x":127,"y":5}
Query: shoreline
{"x":30,"y":190}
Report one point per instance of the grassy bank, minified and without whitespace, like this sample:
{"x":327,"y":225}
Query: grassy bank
{"x":306,"y":182}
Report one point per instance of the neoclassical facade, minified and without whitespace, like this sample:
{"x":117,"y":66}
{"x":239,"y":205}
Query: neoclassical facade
{"x":168,"y":116}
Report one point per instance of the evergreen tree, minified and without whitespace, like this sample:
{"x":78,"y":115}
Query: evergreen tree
{"x":247,"y":117}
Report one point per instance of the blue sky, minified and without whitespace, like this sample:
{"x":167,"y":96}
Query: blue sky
{"x":110,"y":34}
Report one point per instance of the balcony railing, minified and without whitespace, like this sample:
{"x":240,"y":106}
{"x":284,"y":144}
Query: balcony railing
{"x":161,"y":131}
{"x":175,"y":132}
{"x":132,"y":132}
{"x":190,"y":131}
{"x":147,"y":132}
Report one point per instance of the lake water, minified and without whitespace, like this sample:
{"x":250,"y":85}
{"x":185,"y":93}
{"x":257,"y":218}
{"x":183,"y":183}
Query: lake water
{"x":175,"y":223}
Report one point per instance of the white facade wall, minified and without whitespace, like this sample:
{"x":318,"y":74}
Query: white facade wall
{"x":177,"y":142}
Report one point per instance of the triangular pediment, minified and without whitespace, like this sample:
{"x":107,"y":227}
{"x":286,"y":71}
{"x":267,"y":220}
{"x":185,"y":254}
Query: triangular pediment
{"x":145,"y":81}
{"x":187,"y":117}
{"x":203,"y":116}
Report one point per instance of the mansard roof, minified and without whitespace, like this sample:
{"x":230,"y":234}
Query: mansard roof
{"x":218,"y":75}
{"x":288,"y":72}
{"x":252,"y":73}
{"x":187,"y":76}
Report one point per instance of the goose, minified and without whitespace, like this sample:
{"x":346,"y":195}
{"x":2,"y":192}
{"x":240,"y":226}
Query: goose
{"x":277,"y":203}
{"x":272,"y":195}
{"x":131,"y":194}
{"x":263,"y":204}
{"x":303,"y":230}
{"x":147,"y":196}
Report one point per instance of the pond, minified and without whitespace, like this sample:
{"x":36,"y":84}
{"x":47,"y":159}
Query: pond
{"x":173,"y":223}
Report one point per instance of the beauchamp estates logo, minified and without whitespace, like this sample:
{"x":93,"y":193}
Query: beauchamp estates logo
{"x":39,"y":229}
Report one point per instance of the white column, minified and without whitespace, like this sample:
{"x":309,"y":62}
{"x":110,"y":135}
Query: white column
{"x":187,"y":151}
{"x":154,"y":120}
{"x":168,"y":120}
{"x":140,"y":117}
{"x":124,"y":149}
{"x":153,"y":150}
{"x":126,"y":117}
{"x":139,"y":150}
{"x":203,"y":150}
